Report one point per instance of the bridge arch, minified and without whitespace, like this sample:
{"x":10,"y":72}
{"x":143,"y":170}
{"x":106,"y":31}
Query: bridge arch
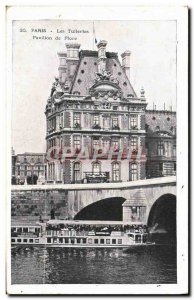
{"x":162,"y":215}
{"x":108,"y":209}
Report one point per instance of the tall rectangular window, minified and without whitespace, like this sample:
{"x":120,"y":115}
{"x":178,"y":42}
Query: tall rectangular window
{"x":106,"y":144}
{"x":133,"y":121}
{"x":76,"y":172}
{"x":133,"y":175}
{"x":106,"y":122}
{"x":76,"y":120}
{"x":115,"y":171}
{"x":77,"y":141}
{"x":160,"y":147}
{"x":115,"y":122}
{"x":134,"y":143}
{"x":96,"y":119}
{"x":96,"y":143}
{"x":167,"y":147}
{"x":115,"y":143}
{"x":96,"y":167}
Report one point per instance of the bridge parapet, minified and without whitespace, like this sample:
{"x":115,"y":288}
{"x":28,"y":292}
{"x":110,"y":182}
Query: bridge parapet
{"x":171,"y":180}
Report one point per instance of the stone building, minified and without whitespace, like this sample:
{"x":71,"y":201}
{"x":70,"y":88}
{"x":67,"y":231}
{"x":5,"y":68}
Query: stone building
{"x":160,"y":143}
{"x":29,"y":164}
{"x":93,"y":108}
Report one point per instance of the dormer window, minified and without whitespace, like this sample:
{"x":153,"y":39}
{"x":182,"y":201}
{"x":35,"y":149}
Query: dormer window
{"x":157,"y":128}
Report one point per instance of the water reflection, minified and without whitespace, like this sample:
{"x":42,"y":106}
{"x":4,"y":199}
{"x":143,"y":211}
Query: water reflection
{"x":154,"y":264}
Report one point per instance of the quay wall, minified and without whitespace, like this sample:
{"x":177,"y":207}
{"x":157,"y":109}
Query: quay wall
{"x":39,"y":202}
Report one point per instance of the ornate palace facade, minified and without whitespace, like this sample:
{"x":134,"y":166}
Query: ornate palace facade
{"x":93,"y":109}
{"x":98,"y":129}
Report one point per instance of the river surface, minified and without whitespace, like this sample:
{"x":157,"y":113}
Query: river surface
{"x":155,"y":264}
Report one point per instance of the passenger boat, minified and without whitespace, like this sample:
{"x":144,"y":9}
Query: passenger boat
{"x":80,"y":234}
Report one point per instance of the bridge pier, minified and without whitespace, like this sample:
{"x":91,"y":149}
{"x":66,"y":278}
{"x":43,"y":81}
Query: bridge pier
{"x":134,"y":208}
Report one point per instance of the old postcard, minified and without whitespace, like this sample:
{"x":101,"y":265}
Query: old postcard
{"x":97,"y":195}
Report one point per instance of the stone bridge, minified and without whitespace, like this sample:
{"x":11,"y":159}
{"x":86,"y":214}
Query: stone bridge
{"x":134,"y":201}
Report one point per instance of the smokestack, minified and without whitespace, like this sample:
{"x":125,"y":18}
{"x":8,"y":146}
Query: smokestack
{"x":126,"y":62}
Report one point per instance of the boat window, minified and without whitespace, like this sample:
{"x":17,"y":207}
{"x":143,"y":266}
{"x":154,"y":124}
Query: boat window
{"x":84,"y":241}
{"x":108,"y":241}
{"x":13,"y":240}
{"x":25,"y":229}
{"x":55,"y":240}
{"x":138,"y":238}
{"x":72,"y":241}
{"x":37,"y":229}
{"x":61,"y":240}
{"x":95,"y":241}
{"x":25,"y":240}
{"x":31,"y":229}
{"x":66,"y":241}
{"x":36,"y":240}
{"x":89,"y":241}
{"x":19,"y":229}
{"x":144,"y":238}
{"x":113,"y":241}
{"x":78,"y":241}
{"x":31,"y":240}
{"x":119,"y":241}
{"x":19,"y":240}
{"x":13,"y":229}
{"x":48,"y":240}
{"x":101,"y":241}
{"x":131,"y":236}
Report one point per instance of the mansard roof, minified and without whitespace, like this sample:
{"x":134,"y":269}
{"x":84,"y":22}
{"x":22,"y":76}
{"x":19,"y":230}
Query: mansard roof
{"x":160,"y":120}
{"x":87,"y":68}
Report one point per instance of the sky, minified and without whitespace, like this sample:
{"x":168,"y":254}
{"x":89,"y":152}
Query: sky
{"x":35,"y":64}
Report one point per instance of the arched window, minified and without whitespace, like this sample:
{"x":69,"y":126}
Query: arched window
{"x":133,"y":172}
{"x":96,"y":167}
{"x":76,"y":172}
{"x":115,"y":171}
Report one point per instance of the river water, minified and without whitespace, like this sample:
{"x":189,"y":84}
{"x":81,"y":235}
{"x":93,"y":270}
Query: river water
{"x":155,"y":264}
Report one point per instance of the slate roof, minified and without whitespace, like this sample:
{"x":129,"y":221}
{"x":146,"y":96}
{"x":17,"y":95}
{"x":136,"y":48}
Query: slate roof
{"x":160,"y":120}
{"x":86,"y":70}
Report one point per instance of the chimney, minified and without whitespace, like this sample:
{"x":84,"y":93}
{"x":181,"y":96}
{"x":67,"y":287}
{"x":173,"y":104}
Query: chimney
{"x":102,"y":56}
{"x":126,"y":62}
{"x":72,"y":58}
{"x":62,"y":66}
{"x":72,"y":51}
